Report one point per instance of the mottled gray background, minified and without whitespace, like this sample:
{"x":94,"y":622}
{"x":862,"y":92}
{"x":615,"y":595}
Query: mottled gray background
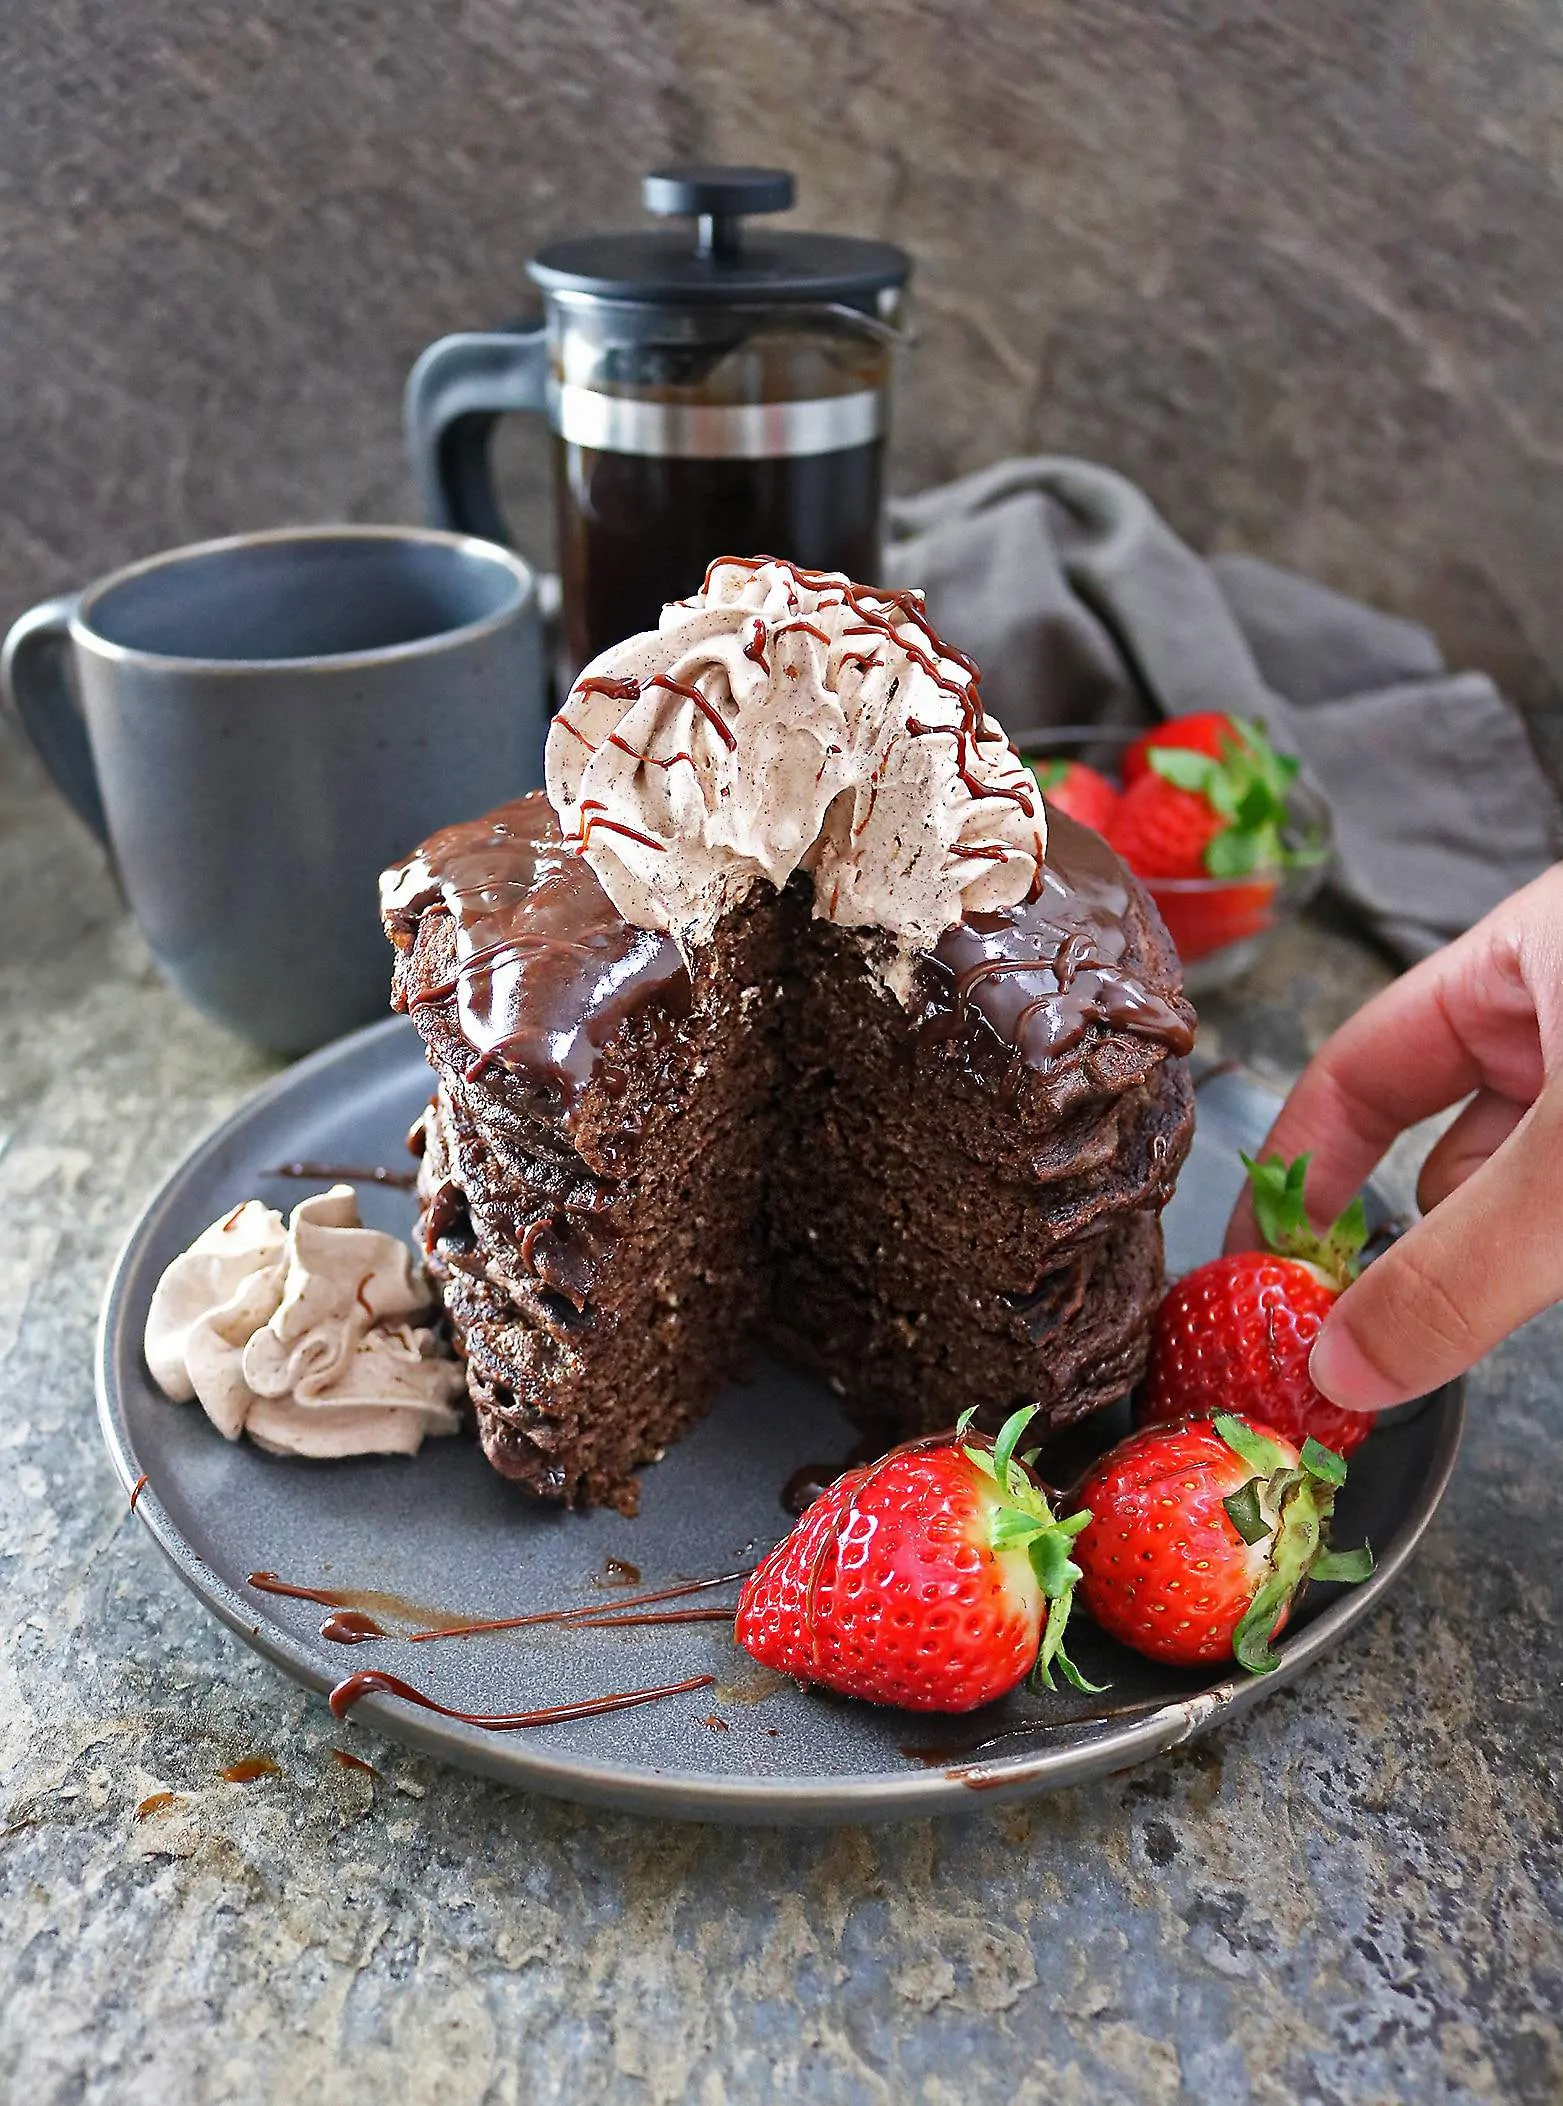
{"x":1298,"y":270}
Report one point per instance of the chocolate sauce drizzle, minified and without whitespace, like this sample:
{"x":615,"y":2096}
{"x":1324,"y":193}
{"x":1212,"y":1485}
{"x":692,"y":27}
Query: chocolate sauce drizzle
{"x":372,"y":1682}
{"x":1039,"y":976}
{"x":347,"y":1174}
{"x":586,"y":1612}
{"x":351,"y":1627}
{"x":873,"y":608}
{"x":352,"y":1624}
{"x":359,"y":1608}
{"x":547,"y":969}
{"x":632,"y":1621}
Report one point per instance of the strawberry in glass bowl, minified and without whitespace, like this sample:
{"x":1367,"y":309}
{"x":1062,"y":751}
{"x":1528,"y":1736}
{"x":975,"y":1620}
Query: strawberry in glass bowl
{"x":1229,"y":837}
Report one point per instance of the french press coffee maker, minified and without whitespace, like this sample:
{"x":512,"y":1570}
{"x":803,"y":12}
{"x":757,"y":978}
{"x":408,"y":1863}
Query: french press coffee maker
{"x":710,"y":392}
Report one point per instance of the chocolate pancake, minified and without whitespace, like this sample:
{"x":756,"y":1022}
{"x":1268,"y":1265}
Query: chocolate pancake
{"x":633,"y":1171}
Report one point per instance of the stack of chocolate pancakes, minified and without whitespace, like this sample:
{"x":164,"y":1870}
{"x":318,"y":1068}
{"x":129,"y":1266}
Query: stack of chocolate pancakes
{"x":634,"y":1170}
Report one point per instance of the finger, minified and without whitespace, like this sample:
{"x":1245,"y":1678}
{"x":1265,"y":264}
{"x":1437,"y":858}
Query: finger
{"x":1460,"y":1020}
{"x":1479,"y":1265}
{"x":1480,"y":1131}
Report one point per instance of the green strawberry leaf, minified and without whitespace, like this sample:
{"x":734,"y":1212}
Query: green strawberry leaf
{"x":1051,"y":1651}
{"x":1304,"y":1499}
{"x":1199,"y":772}
{"x":1260,"y":1454}
{"x":1255,"y":801}
{"x":1245,"y":1513}
{"x":1251,"y":1639}
{"x":1008,"y":1440}
{"x":1041,"y":1676}
{"x":1276,"y":1189}
{"x":1344,"y":1240}
{"x":1012,"y":1526}
{"x":1247,"y":788}
{"x":1323,"y":1463}
{"x":1280,"y":1209}
{"x":1056,"y":1571}
{"x":1234,"y":854}
{"x":1348,"y":1565}
{"x":1049,"y":773}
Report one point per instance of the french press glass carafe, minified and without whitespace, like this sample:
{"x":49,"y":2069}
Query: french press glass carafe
{"x":709,"y":392}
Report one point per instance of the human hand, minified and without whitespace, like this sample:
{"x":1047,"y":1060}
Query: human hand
{"x":1483,"y":1019}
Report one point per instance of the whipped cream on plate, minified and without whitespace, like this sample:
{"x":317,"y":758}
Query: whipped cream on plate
{"x":305,"y":1336}
{"x":784,"y":719}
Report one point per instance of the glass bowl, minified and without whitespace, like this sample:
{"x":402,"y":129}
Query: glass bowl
{"x":1200,"y":913}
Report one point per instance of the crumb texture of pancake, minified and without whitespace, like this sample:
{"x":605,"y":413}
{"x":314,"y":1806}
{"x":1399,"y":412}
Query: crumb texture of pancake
{"x":634,"y":1172}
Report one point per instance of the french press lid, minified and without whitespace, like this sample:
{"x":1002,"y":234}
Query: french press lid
{"x":721,"y":260}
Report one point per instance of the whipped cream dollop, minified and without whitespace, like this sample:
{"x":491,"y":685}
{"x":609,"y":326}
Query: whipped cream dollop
{"x":305,"y":1337}
{"x":785,"y":719}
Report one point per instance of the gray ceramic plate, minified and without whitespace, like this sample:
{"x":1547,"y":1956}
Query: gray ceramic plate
{"x":444,"y":1532}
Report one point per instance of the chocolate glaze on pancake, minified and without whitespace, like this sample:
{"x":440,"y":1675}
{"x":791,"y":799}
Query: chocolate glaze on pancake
{"x":1036,"y":977}
{"x":547,"y":968}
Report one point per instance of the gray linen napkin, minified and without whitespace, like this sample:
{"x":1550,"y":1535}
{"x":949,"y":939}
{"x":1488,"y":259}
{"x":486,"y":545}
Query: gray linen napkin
{"x":1082,"y":606}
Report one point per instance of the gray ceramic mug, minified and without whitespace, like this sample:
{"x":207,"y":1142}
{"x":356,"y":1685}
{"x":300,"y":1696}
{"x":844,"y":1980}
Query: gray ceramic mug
{"x":263,"y":724}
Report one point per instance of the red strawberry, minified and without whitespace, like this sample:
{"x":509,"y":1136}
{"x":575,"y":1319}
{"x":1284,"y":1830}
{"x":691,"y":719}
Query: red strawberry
{"x":937,"y":1578}
{"x":1208,"y":731}
{"x":1206,"y":917}
{"x":1162,"y":831}
{"x":1235,"y":1335}
{"x":1242,"y":786}
{"x":1071,"y":787}
{"x":1201,"y":1536}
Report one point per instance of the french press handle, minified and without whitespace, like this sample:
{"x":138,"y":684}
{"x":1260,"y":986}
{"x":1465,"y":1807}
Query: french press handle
{"x":462,"y":385}
{"x":456,"y":394}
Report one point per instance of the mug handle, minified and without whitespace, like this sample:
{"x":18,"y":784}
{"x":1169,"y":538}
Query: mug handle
{"x":455,"y":395}
{"x":34,"y":682}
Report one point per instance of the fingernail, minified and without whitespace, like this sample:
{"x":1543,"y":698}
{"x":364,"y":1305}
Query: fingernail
{"x":1339,"y":1367}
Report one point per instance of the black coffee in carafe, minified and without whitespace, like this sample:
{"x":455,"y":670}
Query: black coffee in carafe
{"x":820,"y":509}
{"x":708,"y":395}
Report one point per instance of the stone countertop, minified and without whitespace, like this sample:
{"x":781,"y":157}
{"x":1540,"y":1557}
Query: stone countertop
{"x":1351,"y":1895}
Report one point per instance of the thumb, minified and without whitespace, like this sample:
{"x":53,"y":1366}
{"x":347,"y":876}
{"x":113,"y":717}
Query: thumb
{"x":1486,"y":1259}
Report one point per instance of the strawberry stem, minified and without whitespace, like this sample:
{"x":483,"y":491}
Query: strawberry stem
{"x":1281,"y":1211}
{"x":1026,"y":1520}
{"x":1302,"y":1499}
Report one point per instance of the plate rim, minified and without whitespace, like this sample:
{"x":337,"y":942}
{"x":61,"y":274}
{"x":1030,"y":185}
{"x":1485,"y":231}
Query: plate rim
{"x":694,"y":1794}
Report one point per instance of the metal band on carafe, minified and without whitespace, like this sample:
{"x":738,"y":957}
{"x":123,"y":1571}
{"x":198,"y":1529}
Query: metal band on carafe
{"x":716,"y":431}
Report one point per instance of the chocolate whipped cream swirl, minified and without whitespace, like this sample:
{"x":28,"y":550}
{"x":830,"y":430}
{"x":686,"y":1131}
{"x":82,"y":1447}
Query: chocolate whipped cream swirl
{"x":314,"y":1339}
{"x":785,"y":719}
